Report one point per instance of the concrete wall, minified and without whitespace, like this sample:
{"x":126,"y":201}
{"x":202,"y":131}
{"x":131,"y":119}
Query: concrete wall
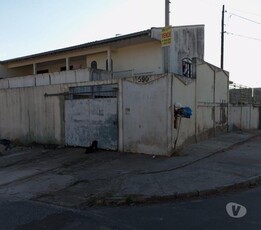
{"x":143,"y":58}
{"x":184,"y":91}
{"x":56,"y":78}
{"x":212,"y":99}
{"x":207,"y":95}
{"x":187,"y":42}
{"x":243,"y":117}
{"x":145,"y":107}
{"x":28,"y":115}
{"x":148,"y":109}
{"x":146,"y":115}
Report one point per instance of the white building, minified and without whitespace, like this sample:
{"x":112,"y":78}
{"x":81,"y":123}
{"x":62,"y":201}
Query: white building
{"x":115,"y":91}
{"x":129,"y":55}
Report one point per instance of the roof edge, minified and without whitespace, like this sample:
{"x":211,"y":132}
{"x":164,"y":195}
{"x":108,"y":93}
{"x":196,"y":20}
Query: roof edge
{"x":147,"y":32}
{"x":81,"y":46}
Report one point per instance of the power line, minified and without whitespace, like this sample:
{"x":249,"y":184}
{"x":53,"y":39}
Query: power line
{"x":250,"y":20}
{"x":210,"y":3}
{"x":245,"y":12}
{"x":243,"y":36}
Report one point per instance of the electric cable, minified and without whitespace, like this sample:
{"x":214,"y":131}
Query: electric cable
{"x":250,"y":20}
{"x":243,"y":36}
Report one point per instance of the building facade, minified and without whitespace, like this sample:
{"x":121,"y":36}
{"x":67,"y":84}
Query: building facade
{"x":124,"y":56}
{"x":115,"y":91}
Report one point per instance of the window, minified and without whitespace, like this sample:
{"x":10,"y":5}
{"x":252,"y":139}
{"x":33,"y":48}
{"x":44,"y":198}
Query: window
{"x":187,"y":67}
{"x":42,"y":71}
{"x":107,"y":66}
{"x":94,"y":65}
{"x":63,"y":68}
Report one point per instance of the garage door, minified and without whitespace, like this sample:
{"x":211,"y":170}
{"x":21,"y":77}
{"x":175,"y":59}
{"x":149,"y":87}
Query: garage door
{"x":90,"y":119}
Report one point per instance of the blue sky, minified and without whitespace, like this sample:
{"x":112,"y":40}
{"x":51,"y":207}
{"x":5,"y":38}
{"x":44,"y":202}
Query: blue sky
{"x":33,"y":26}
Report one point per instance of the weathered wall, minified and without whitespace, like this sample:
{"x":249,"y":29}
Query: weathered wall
{"x":28,"y":115}
{"x":87,"y":120}
{"x":187,"y":42}
{"x":243,"y":117}
{"x":73,"y":76}
{"x":146,"y":115}
{"x":184,"y":93}
{"x":145,"y":107}
{"x":148,"y":109}
{"x":212,"y":99}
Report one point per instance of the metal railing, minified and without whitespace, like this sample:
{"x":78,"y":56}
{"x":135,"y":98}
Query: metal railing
{"x":91,"y":92}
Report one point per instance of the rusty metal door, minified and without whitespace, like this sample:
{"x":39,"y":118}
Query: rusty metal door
{"x":87,"y":120}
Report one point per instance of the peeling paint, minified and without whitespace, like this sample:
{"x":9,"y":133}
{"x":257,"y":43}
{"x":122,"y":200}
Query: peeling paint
{"x":91,"y":119}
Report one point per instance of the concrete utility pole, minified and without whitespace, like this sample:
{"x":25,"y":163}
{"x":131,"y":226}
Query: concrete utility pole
{"x":222,"y":38}
{"x":166,"y":50}
{"x":167,"y":2}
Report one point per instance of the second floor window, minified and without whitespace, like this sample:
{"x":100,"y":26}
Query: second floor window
{"x":187,"y":67}
{"x":94,"y":65}
{"x":107,"y":65}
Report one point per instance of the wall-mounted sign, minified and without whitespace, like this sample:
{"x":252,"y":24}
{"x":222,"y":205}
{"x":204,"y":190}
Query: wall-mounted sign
{"x":166,"y":36}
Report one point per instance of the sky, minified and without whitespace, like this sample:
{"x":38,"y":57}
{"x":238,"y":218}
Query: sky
{"x":34,"y":26}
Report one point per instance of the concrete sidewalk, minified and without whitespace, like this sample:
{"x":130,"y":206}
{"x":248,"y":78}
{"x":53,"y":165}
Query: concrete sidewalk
{"x":232,"y":160}
{"x":70,"y":178}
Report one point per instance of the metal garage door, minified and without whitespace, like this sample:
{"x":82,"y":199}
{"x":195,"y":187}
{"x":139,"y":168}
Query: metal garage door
{"x":90,"y":119}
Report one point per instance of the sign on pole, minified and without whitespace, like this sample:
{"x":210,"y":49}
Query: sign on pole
{"x":166,"y":36}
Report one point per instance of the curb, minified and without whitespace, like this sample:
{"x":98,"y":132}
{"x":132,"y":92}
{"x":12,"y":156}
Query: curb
{"x":140,"y":199}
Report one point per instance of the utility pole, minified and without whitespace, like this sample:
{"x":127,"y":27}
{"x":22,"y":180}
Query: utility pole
{"x":167,"y":2}
{"x":222,"y":38}
{"x":166,"y":50}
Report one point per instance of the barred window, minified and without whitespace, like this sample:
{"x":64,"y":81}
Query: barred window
{"x":187,"y":67}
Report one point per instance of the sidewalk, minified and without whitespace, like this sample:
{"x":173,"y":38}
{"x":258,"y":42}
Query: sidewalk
{"x":229,"y":161}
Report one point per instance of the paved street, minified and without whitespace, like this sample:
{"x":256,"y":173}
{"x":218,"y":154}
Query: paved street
{"x":196,"y":214}
{"x":67,"y":189}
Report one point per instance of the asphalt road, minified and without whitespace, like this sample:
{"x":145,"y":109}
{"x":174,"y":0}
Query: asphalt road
{"x":207,"y":213}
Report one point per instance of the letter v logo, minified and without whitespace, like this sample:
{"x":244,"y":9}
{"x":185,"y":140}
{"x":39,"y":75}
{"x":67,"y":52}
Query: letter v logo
{"x":236,"y":210}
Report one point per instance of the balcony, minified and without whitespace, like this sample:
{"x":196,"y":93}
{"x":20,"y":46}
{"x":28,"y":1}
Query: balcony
{"x":56,"y":78}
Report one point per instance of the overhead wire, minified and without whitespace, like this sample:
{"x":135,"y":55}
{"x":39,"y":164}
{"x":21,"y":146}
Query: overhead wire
{"x":247,"y":19}
{"x":243,"y":36}
{"x":239,"y":16}
{"x":245,"y":12}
